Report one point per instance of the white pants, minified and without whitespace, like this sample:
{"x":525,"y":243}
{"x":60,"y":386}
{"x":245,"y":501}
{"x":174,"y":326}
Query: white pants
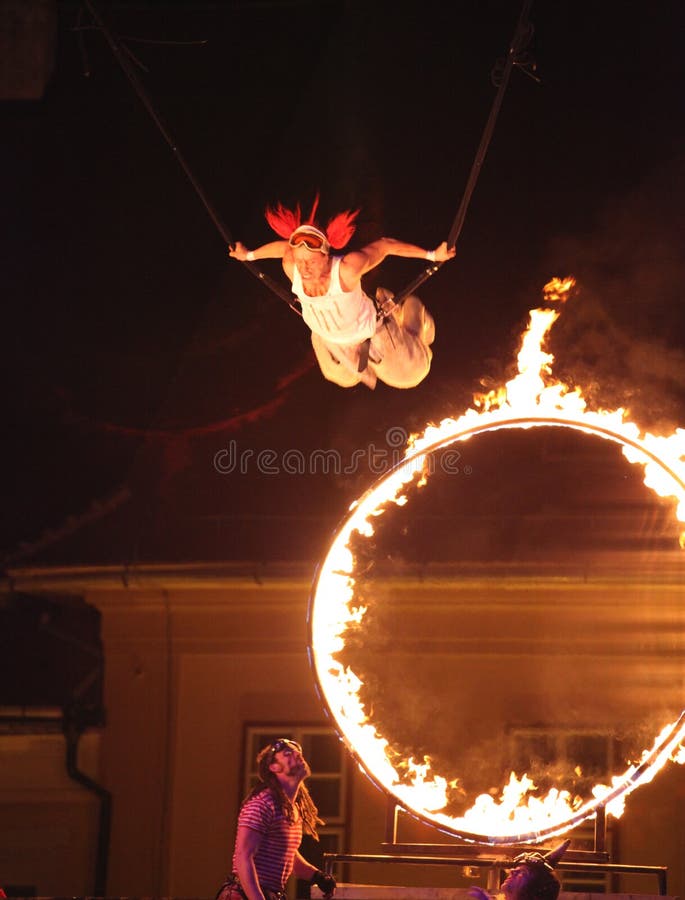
{"x":399,"y":355}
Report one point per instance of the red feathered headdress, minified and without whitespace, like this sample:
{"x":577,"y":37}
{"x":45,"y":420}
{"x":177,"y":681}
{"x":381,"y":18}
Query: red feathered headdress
{"x":285,"y":221}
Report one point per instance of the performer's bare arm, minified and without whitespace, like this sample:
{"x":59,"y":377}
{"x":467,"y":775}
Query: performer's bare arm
{"x":357,"y":263}
{"x":273,"y":250}
{"x":303,"y":869}
{"x":247,"y":844}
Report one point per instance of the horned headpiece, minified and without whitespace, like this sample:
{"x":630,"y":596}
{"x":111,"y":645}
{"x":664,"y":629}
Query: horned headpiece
{"x":548,"y":861}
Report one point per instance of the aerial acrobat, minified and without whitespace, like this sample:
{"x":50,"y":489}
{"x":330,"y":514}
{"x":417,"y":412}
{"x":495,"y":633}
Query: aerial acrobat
{"x":355,"y":339}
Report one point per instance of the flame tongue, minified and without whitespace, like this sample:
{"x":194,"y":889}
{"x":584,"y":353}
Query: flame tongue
{"x":533,"y":397}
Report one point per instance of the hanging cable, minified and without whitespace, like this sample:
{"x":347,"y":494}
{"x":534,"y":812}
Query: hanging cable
{"x":122,"y":57}
{"x":515,"y":56}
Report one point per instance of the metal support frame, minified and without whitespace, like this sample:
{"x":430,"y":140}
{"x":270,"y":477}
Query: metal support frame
{"x":581,"y":861}
{"x":495,"y":865}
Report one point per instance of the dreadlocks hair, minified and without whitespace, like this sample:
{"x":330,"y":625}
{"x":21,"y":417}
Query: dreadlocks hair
{"x":304,"y":804}
{"x":339,"y":229}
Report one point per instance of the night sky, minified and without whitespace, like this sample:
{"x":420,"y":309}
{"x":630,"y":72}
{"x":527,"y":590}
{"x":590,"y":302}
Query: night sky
{"x":135,"y":350}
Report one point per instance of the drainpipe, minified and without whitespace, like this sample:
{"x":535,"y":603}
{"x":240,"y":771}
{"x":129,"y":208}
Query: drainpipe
{"x":73,"y":729}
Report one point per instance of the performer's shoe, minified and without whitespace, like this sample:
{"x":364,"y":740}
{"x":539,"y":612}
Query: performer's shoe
{"x":385,"y":304}
{"x":427,"y":328}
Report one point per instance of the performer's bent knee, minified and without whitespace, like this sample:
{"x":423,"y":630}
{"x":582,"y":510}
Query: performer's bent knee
{"x":407,"y":372}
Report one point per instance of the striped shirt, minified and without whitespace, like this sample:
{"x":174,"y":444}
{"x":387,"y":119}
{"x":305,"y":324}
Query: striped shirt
{"x":281,"y":838}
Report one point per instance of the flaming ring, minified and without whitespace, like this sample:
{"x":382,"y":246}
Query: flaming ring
{"x":328,"y":622}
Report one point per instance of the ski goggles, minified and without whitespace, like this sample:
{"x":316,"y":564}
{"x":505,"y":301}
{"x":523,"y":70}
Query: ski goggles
{"x":311,"y":237}
{"x":283,"y":744}
{"x":534,"y":859}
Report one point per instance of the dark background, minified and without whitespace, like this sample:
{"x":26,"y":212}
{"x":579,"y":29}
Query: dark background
{"x":135,"y":350}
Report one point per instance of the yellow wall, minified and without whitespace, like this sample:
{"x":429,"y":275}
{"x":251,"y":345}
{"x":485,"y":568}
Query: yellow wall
{"x":185,"y":671}
{"x":188,"y":663}
{"x":48,"y":824}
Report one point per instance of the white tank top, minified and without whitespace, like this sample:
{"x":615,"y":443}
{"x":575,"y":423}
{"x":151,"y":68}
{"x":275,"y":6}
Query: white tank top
{"x":341,"y":317}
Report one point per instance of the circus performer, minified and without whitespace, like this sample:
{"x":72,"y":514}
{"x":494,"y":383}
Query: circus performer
{"x":272,"y":820}
{"x":531,"y":877}
{"x":356,"y":340}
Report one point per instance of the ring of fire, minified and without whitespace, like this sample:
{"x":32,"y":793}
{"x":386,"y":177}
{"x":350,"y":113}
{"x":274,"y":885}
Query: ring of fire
{"x":331,"y":612}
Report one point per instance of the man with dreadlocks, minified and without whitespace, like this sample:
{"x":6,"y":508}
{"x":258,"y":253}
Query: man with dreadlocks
{"x":531,"y":877}
{"x":271,"y":822}
{"x":353,"y":340}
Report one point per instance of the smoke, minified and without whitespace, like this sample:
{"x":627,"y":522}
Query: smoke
{"x":476,"y":674}
{"x":621,"y":337}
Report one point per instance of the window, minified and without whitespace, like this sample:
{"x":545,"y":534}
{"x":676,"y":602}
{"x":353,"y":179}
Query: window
{"x":328,"y":784}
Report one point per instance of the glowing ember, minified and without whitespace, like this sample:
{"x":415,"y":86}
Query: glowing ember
{"x":531,"y":399}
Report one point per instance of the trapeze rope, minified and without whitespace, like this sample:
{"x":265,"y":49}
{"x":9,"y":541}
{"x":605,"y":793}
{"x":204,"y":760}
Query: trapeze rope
{"x":129,"y":72}
{"x":514,"y":57}
{"x":518,"y":44}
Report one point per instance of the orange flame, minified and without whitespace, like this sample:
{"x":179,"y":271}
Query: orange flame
{"x":532,"y":398}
